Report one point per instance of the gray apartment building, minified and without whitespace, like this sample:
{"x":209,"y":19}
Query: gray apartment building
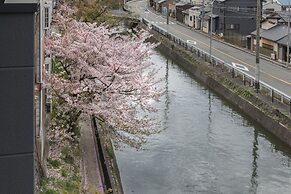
{"x":17,"y":66}
{"x":236,"y":19}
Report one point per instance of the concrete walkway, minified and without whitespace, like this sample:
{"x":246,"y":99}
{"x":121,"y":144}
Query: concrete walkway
{"x":90,"y":170}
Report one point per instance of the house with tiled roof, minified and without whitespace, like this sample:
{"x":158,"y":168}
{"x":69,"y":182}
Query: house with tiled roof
{"x":271,"y":6}
{"x":273,"y":41}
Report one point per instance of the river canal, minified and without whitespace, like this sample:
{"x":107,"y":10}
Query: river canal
{"x":206,"y":146}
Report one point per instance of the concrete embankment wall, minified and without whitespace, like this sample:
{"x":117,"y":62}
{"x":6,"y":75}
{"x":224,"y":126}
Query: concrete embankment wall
{"x":200,"y":70}
{"x":107,"y":161}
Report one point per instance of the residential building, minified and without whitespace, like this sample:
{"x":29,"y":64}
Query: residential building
{"x":236,"y":19}
{"x":187,"y":1}
{"x":17,"y":47}
{"x":22,"y":99}
{"x":273,"y":41}
{"x":158,"y":5}
{"x":194,"y":17}
{"x":180,"y":7}
{"x":164,"y":5}
{"x":273,"y":38}
{"x":282,"y":48}
{"x":206,"y":26}
{"x":195,"y":2}
{"x":186,"y":18}
{"x":172,"y":9}
{"x":271,"y":6}
{"x":270,"y":20}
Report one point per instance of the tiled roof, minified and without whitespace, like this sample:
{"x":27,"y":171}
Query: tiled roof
{"x":17,"y":6}
{"x":209,"y":15}
{"x":284,"y":15}
{"x":284,"y":40}
{"x":275,"y":33}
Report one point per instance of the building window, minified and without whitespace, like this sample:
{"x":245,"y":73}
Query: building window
{"x":232,"y":26}
{"x":190,"y":18}
{"x":46,"y":17}
{"x":250,"y":9}
{"x":48,"y":64}
{"x":267,"y":46}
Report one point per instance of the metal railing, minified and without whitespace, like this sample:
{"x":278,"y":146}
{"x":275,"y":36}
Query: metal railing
{"x":236,"y":72}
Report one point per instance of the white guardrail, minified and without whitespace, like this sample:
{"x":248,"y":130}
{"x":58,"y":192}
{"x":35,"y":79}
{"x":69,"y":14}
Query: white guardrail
{"x":236,"y":71}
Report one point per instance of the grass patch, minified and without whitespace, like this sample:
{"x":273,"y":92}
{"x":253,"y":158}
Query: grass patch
{"x":54,"y":163}
{"x":64,"y":172}
{"x":45,"y":188}
{"x":110,"y":151}
{"x":68,"y":156}
{"x":71,"y":185}
{"x":50,"y":191}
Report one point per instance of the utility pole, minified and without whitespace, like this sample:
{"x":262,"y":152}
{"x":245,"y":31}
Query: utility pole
{"x":168,"y":12}
{"x":203,"y":14}
{"x":211,"y":24}
{"x":258,"y":23}
{"x":288,"y":38}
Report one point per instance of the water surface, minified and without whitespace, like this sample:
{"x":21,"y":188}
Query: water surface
{"x":206,"y":146}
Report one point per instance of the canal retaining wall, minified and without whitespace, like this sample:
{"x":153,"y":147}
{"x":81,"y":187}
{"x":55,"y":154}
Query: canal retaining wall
{"x":247,"y":100}
{"x":107,"y":161}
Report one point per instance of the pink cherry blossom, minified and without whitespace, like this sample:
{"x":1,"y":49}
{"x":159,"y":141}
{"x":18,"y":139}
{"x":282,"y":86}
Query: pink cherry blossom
{"x":105,"y":75}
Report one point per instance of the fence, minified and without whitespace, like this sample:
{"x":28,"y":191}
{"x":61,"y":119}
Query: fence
{"x":274,"y":93}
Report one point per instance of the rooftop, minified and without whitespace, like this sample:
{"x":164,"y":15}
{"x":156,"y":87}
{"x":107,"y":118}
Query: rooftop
{"x":275,"y":33}
{"x":19,"y":1}
{"x":18,"y":6}
{"x":196,"y":7}
{"x":181,"y":4}
{"x":210,"y":15}
{"x":283,"y":41}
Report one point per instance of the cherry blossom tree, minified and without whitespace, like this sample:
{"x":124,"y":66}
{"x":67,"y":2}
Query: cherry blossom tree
{"x":104,"y":75}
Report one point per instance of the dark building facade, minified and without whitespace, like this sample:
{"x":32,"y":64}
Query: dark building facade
{"x":180,"y":7}
{"x":236,"y":19}
{"x":17,"y":62}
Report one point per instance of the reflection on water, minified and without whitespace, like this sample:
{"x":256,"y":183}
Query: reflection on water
{"x":255,"y":166}
{"x":206,"y":146}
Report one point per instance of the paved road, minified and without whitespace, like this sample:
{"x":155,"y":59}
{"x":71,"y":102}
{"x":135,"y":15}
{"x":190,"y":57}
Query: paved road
{"x":272,"y":74}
